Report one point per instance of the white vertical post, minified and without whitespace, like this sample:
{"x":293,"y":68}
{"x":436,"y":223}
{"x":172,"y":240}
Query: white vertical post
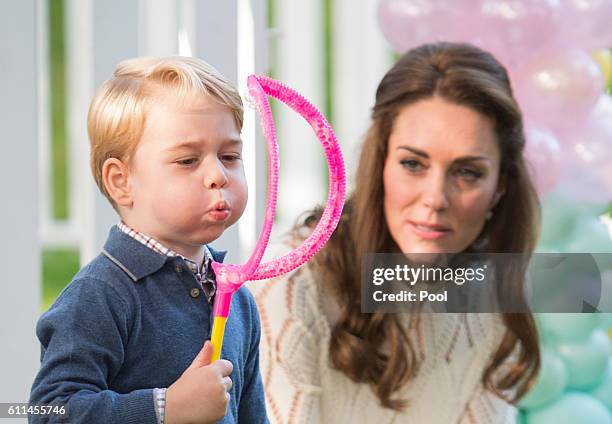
{"x":258,"y":188}
{"x":159,"y":27}
{"x":302,"y":179}
{"x":216,"y":42}
{"x":252,"y":59}
{"x":216,"y":35}
{"x":20,"y":44}
{"x":245,"y":67}
{"x":79,"y":88}
{"x":360,"y":58}
{"x":100,"y":35}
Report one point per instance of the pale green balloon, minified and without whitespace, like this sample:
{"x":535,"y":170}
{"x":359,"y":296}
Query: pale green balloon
{"x":603,"y":391}
{"x":550,"y":382}
{"x":571,"y":408}
{"x":586,"y":361}
{"x":589,"y":235}
{"x":569,"y":327}
{"x":606,"y":321}
{"x":558,"y":216}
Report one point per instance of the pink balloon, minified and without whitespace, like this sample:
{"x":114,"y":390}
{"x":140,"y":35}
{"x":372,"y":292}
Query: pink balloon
{"x":513,"y":29}
{"x":587,"y":156}
{"x":586,"y":24}
{"x":558,"y":89}
{"x":410,"y":23}
{"x":543,"y":155}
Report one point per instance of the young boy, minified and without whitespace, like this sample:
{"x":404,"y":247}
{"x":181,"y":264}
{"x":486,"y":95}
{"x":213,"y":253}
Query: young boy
{"x":124,"y":342}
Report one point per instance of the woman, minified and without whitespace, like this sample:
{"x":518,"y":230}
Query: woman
{"x":441,"y":171}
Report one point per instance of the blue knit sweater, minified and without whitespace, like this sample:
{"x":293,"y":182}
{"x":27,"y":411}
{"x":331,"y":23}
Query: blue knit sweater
{"x":130,"y":321}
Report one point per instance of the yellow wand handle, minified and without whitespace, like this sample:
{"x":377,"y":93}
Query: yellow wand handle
{"x":218,"y":331}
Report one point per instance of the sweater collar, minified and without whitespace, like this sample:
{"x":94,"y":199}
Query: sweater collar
{"x":136,"y":259}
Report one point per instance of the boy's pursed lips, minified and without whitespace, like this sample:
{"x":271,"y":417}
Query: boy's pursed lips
{"x":220,"y":211}
{"x":220,"y":206}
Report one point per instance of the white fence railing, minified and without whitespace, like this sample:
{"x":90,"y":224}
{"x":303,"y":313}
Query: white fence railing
{"x":233,"y":35}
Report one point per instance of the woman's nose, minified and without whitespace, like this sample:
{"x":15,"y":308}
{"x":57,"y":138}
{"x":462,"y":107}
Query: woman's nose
{"x":214,"y":174}
{"x":435,"y":195}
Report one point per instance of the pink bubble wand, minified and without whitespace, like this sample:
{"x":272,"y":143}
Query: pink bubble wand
{"x":230,"y":277}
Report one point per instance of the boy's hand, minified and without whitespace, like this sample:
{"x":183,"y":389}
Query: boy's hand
{"x":200,"y":395}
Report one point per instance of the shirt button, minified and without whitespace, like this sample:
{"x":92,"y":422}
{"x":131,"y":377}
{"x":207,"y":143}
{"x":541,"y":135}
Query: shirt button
{"x":178,"y":268}
{"x":195,"y":292}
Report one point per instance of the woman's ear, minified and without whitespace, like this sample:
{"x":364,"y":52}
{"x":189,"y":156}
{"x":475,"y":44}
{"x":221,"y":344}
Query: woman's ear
{"x":501,"y":189}
{"x":116,"y":178}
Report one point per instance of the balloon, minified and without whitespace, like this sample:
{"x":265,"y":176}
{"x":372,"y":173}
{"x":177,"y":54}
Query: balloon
{"x":574,"y":408}
{"x":550,"y":382}
{"x":511,"y":29}
{"x":558,"y":89}
{"x":409,"y":23}
{"x":569,"y":327}
{"x":558,"y":217}
{"x":590,"y":235}
{"x":603,"y":392}
{"x":585,"y":24}
{"x":604,"y":60}
{"x":587,"y":156}
{"x":586,"y":361}
{"x":543,"y":155}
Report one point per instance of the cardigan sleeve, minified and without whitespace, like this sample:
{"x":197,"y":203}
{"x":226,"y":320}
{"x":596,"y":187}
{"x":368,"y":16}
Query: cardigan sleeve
{"x":292,"y":335}
{"x":83,"y":337}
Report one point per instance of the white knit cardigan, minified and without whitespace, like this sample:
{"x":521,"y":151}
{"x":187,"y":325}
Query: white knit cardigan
{"x":301,"y":386}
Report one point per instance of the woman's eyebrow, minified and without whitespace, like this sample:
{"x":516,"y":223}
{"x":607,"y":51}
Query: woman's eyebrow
{"x":415,"y":151}
{"x":461,"y":159}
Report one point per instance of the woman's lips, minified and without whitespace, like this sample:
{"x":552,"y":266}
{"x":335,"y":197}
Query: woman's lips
{"x":429,"y":232}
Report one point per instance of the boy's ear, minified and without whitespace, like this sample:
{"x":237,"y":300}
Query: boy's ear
{"x":116,"y":178}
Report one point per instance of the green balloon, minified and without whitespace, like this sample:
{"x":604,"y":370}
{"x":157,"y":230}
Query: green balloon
{"x":603,"y":392}
{"x":558,"y":215}
{"x":586,"y":361}
{"x":606,"y":321}
{"x":569,"y":327}
{"x":571,"y":408}
{"x":550,"y":382}
{"x":589,"y":235}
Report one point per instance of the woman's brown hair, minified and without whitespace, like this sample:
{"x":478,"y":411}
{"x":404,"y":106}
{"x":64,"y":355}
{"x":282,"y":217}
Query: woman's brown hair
{"x":465,"y":75}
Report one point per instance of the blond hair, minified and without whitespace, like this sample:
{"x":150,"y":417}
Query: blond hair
{"x":118,"y":111}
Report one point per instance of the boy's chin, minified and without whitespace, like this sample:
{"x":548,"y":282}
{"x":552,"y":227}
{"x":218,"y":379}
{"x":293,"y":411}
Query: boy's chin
{"x":210,"y":235}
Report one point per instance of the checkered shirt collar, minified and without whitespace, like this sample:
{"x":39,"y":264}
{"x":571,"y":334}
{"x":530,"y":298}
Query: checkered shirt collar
{"x":156,"y":246}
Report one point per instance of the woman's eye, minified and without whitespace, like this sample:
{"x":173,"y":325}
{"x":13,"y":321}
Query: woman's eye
{"x":469,"y":174}
{"x":411,"y":164}
{"x":187,"y":162}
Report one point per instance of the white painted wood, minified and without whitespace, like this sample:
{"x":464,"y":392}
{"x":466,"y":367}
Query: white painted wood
{"x":360,"y":58}
{"x":100,"y":35}
{"x":299,"y":64}
{"x":21,"y":44}
{"x":159,"y":22}
{"x":216,"y":41}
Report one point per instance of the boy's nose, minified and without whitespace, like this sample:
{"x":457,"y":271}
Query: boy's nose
{"x":214,"y":176}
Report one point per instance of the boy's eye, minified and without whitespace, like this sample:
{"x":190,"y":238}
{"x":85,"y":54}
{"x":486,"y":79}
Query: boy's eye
{"x":411,"y":164}
{"x":230,"y":157}
{"x":188,"y":161}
